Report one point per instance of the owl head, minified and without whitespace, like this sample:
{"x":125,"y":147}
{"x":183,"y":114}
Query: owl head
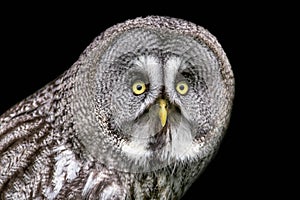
{"x":156,"y":91}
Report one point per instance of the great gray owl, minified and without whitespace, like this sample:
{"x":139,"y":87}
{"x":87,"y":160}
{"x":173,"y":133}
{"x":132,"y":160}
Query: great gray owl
{"x":138,"y":116}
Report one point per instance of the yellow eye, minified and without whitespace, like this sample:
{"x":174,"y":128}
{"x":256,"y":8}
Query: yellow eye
{"x":182,"y":87}
{"x":138,"y":87}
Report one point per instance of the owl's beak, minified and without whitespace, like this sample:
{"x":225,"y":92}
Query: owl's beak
{"x":163,"y":112}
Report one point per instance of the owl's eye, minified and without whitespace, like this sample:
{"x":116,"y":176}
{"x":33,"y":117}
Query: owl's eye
{"x":182,"y":87}
{"x":138,"y":87}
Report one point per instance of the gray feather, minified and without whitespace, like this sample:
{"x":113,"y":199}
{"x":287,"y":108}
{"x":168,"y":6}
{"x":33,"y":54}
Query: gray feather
{"x":87,"y":136}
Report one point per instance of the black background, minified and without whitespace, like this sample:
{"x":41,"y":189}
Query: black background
{"x":39,"y":42}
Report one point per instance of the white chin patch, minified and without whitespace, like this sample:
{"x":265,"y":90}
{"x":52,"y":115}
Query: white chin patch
{"x":178,"y":145}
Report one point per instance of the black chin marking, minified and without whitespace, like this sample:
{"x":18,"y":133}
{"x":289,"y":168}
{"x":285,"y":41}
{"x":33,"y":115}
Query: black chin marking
{"x":146,"y":110}
{"x":177,"y":109}
{"x":158,"y":141}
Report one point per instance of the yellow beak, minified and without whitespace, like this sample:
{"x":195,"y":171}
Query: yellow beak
{"x":163,"y":113}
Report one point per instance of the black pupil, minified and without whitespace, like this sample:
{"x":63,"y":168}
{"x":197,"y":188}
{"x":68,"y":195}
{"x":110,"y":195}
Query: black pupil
{"x":181,"y":87}
{"x":139,"y":87}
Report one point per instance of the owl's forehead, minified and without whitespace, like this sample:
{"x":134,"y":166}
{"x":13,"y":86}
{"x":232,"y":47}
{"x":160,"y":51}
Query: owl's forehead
{"x":163,"y":42}
{"x":158,"y":47}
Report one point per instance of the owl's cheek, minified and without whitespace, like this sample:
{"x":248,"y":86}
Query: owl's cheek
{"x":125,"y":112}
{"x":183,"y":113}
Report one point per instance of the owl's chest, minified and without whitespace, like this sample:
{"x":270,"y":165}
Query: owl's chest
{"x":160,"y":185}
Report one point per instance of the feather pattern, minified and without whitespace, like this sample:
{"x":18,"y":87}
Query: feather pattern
{"x":85,"y":135}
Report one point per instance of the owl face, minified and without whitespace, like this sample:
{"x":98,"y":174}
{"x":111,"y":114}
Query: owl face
{"x":159,"y":93}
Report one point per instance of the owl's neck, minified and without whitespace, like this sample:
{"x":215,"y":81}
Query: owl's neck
{"x":170,"y":181}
